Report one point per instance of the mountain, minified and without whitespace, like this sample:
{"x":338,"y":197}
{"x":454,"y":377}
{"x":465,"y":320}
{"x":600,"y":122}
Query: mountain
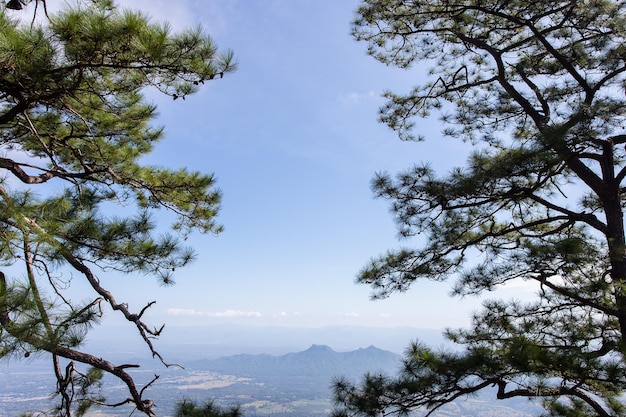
{"x":317,"y":362}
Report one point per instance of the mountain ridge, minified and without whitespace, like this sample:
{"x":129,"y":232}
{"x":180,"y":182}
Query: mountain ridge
{"x":318,"y":361}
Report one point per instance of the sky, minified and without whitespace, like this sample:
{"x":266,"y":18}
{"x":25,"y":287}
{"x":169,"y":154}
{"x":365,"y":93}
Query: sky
{"x":293,"y":139}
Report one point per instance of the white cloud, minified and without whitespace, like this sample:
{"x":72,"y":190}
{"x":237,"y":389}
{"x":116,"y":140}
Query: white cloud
{"x":352,"y":314}
{"x":356,"y":98}
{"x":234,"y":313}
{"x":182,"y":312}
{"x":213,"y":314}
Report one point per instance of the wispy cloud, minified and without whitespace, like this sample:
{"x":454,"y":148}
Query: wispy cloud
{"x":213,"y":314}
{"x":356,"y":98}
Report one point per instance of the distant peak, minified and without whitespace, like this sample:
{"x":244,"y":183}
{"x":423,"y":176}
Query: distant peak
{"x":320,"y":348}
{"x":370,"y":347}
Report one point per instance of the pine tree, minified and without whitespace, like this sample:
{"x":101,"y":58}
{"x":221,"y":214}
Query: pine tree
{"x":538,"y":88}
{"x":74,"y":126}
{"x":187,"y":408}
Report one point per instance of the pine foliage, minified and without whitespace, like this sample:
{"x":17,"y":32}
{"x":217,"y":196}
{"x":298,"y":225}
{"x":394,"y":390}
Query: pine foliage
{"x":74,"y":130}
{"x":538,"y":89}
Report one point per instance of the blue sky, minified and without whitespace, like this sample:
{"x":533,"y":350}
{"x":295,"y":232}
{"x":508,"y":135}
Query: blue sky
{"x":294,"y":141}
